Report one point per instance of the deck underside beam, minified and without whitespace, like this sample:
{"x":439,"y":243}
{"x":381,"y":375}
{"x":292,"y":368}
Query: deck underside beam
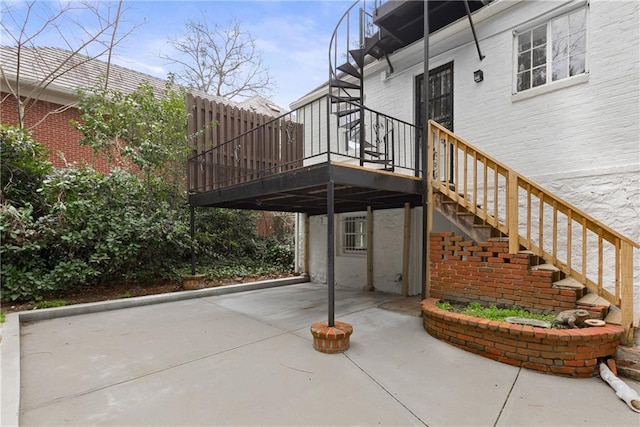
{"x":305,"y":190}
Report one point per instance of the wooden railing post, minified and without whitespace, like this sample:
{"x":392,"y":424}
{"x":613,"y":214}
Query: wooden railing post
{"x":626,"y":287}
{"x":512,"y":212}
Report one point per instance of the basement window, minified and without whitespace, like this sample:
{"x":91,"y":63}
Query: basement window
{"x":354,"y":234}
{"x":552,"y":51}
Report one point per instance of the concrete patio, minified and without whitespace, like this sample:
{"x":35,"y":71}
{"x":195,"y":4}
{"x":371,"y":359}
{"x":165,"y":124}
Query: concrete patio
{"x":246,"y":359}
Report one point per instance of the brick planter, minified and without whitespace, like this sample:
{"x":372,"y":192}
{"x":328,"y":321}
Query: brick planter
{"x":192,"y":283}
{"x":565,"y":352}
{"x":335,"y":339}
{"x":486,"y":272}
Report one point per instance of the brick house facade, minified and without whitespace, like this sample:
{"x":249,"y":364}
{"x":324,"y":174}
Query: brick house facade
{"x":51,"y":111}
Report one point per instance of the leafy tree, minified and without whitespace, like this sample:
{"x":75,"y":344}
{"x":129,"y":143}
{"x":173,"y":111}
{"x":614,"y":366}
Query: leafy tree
{"x":222,"y":60}
{"x":144,"y":130}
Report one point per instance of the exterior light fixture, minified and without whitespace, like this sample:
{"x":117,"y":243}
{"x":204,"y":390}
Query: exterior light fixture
{"x":478,"y":76}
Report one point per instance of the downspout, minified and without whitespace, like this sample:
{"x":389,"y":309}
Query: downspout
{"x":426,"y":174}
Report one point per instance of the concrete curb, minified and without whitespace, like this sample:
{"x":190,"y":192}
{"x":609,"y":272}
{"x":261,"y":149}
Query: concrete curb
{"x":10,"y":370}
{"x":10,"y":344}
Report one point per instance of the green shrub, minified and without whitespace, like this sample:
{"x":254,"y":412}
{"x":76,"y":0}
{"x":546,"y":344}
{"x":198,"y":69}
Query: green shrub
{"x":23,"y":167}
{"x":98,"y":229}
{"x":278,"y":254}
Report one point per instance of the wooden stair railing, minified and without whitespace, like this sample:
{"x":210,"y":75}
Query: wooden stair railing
{"x":534,"y":219}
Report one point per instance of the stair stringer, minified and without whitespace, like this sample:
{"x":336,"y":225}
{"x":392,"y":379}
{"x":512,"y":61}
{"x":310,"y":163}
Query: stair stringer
{"x":470,"y":224}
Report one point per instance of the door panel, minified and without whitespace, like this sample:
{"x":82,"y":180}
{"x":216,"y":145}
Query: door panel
{"x":440,"y":96}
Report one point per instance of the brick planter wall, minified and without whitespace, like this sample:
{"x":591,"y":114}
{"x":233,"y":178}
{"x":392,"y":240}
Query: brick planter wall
{"x":486,"y":272}
{"x":565,"y":352}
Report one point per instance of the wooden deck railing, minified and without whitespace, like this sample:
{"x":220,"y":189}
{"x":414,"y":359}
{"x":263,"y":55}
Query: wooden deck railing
{"x":534,"y":218}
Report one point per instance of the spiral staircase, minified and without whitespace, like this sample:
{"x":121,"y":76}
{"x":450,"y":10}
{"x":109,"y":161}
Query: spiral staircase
{"x":355,"y":42}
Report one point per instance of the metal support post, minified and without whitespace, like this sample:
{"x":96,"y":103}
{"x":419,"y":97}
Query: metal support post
{"x":193,"y":236}
{"x":426,"y":174}
{"x":331,"y":253}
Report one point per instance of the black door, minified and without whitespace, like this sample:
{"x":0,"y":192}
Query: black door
{"x":440,"y":107}
{"x":440,"y":96}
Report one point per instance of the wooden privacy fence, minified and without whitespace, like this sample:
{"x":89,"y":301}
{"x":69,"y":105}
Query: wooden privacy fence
{"x":232,"y":145}
{"x":534,"y":218}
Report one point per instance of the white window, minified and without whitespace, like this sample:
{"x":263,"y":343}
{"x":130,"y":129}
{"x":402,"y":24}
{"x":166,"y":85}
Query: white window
{"x":354,"y":234}
{"x":552,"y":51}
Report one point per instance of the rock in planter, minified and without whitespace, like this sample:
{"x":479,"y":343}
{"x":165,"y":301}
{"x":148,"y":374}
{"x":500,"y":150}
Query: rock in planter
{"x":526,"y":321}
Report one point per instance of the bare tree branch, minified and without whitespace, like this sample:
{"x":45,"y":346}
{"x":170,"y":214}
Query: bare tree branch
{"x":89,"y":29}
{"x":221,"y":60}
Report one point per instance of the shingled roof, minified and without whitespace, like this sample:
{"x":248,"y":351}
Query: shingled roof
{"x":77,"y":71}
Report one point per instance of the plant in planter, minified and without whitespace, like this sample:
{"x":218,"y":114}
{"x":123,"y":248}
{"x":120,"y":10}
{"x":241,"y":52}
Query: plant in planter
{"x":511,"y":315}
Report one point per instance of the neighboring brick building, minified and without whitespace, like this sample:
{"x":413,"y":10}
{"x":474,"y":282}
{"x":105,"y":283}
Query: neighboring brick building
{"x":50,"y":111}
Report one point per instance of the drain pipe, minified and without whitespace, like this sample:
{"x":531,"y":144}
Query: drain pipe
{"x":623,"y":391}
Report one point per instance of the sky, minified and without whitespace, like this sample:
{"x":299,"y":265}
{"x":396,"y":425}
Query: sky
{"x":292,"y":35}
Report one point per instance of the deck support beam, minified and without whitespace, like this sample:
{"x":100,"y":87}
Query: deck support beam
{"x":406,"y":239}
{"x":370,"y":249}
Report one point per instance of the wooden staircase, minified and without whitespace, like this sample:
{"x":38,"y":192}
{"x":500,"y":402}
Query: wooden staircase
{"x":489,"y":201}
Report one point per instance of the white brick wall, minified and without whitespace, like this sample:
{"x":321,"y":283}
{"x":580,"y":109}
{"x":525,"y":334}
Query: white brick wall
{"x":580,"y":139}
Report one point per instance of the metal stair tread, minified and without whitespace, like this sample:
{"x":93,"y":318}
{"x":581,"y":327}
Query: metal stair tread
{"x":350,"y":125}
{"x":350,"y":69}
{"x":344,"y":84}
{"x":568,"y":283}
{"x":343,"y":113}
{"x":358,"y":56}
{"x":373,"y":153}
{"x":593,"y":300}
{"x":349,"y":99}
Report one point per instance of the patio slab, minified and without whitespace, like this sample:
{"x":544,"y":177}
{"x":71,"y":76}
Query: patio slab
{"x":247,"y":359}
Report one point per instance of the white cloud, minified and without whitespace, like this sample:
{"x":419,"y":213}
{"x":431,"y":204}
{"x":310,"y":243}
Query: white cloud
{"x":142,"y":66}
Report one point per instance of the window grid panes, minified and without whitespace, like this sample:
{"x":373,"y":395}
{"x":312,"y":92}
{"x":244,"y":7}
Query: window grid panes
{"x":557,"y":48}
{"x":354,"y":237}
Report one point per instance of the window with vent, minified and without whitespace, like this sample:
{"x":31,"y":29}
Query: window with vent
{"x":354,"y":234}
{"x":553,"y":51}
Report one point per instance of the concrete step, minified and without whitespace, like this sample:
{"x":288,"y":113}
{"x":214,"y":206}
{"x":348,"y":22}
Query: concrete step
{"x":593,"y":300}
{"x":615,"y":318}
{"x":545,"y":267}
{"x":568,"y":283}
